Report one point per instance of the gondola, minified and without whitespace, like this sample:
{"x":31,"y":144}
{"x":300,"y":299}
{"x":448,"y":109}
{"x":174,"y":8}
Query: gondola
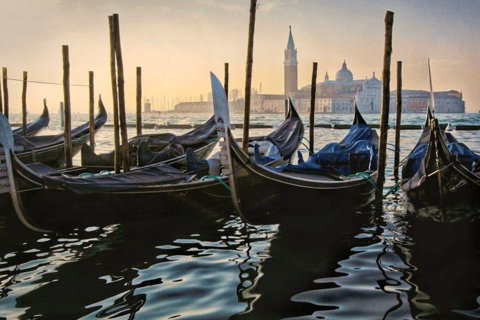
{"x":35,"y":127}
{"x":158,"y":147}
{"x":45,"y":199}
{"x":313,"y":192}
{"x":441,"y":178}
{"x":49,"y":149}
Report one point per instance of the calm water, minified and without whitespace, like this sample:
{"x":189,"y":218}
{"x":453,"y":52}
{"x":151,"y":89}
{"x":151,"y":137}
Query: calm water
{"x":197,"y":267}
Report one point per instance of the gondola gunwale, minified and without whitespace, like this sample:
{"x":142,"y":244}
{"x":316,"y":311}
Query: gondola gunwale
{"x":39,"y":124}
{"x":79,"y":136}
{"x":418,"y":199}
{"x":279,"y":177}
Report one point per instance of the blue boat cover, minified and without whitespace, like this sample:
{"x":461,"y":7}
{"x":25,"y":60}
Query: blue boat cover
{"x":272,"y":154}
{"x":286,"y":136}
{"x":468,"y":157}
{"x":334,"y":157}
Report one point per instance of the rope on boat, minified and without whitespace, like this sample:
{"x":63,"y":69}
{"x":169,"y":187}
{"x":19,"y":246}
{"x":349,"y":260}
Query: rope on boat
{"x":394,"y":150}
{"x":88,"y":174}
{"x":216,"y":178}
{"x":372,"y":181}
{"x":309,"y":151}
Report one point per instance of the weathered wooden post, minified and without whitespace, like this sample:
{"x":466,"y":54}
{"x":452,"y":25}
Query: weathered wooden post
{"x":68,"y":113}
{"x":113,"y":73}
{"x":121,"y":95}
{"x":312,"y":106}
{"x":91,"y":116}
{"x":1,"y":101}
{"x":139,"y":100}
{"x":62,"y":115}
{"x":225,"y":86}
{"x":248,"y":82}
{"x":398,"y":120}
{"x":5,"y":92}
{"x":24,"y":104}
{"x":382,"y":147}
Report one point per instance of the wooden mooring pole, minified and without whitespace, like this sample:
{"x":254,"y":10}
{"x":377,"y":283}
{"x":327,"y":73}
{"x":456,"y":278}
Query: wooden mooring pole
{"x":225,"y":85}
{"x":139,"y":101}
{"x":382,"y":147}
{"x":1,"y":101}
{"x":68,"y":113}
{"x":312,"y":107}
{"x":121,"y":95}
{"x":62,"y":115}
{"x":113,"y":73}
{"x":5,"y":92}
{"x":24,"y":104}
{"x":91,"y":106}
{"x":398,"y":120}
{"x":248,"y":81}
{"x":286,"y":108}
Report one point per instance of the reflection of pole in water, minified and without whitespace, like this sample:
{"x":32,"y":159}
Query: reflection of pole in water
{"x":128,"y":303}
{"x":250,"y":271}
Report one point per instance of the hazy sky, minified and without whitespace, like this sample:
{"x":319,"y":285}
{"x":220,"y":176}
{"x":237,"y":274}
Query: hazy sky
{"x":177,"y":43}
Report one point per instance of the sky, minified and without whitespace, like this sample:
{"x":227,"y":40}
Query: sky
{"x":177,"y":43}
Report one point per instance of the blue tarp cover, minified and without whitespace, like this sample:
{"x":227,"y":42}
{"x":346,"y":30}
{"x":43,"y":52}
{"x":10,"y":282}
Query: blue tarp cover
{"x":334,"y":157}
{"x":456,"y":148}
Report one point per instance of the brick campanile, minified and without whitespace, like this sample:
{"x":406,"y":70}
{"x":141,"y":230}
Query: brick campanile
{"x":291,"y":72}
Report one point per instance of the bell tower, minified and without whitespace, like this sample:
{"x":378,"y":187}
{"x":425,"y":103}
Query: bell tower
{"x":291,"y":73}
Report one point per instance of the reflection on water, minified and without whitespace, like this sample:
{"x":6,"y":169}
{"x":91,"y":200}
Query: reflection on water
{"x":195,"y":267}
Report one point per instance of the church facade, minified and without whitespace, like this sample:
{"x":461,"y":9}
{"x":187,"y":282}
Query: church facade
{"x":333,"y":96}
{"x":340,"y":94}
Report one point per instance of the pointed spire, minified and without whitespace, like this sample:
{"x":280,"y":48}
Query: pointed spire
{"x":290,"y":44}
{"x":344,"y":65}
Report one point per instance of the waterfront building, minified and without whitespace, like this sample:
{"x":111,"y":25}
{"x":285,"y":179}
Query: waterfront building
{"x":417,"y":101}
{"x":332,"y":96}
{"x":148,"y":106}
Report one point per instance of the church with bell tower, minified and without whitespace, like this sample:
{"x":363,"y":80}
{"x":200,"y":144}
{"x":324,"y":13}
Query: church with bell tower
{"x":290,"y":66}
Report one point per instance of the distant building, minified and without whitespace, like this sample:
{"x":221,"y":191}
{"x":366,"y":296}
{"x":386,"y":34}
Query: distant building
{"x":417,"y":101}
{"x":236,"y":106}
{"x":332,"y":96}
{"x":148,"y":106}
{"x":290,"y":66}
{"x":367,"y":92}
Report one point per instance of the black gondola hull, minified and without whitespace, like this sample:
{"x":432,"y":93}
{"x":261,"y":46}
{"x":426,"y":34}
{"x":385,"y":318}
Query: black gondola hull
{"x":460,"y":197}
{"x":267,"y":197}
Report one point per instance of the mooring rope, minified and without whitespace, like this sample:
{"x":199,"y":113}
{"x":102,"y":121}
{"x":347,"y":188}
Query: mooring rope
{"x":56,"y":84}
{"x":372,"y":181}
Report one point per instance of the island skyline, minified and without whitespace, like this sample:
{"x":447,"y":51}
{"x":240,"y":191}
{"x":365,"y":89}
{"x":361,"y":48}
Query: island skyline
{"x":178,"y":43}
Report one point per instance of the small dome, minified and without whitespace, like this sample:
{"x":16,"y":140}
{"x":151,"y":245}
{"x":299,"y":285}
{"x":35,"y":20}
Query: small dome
{"x":344,"y":74}
{"x":374,"y":80}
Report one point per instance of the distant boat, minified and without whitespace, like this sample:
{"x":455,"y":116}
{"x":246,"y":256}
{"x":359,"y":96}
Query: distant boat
{"x":449,"y":127}
{"x":36,"y":126}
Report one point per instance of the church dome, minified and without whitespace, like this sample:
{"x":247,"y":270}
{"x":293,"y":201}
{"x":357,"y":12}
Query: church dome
{"x":374,"y":80}
{"x":344,"y":74}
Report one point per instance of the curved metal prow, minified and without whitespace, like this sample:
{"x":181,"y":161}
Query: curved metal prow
{"x":6,"y":140}
{"x":358,"y":119}
{"x":222,"y":116}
